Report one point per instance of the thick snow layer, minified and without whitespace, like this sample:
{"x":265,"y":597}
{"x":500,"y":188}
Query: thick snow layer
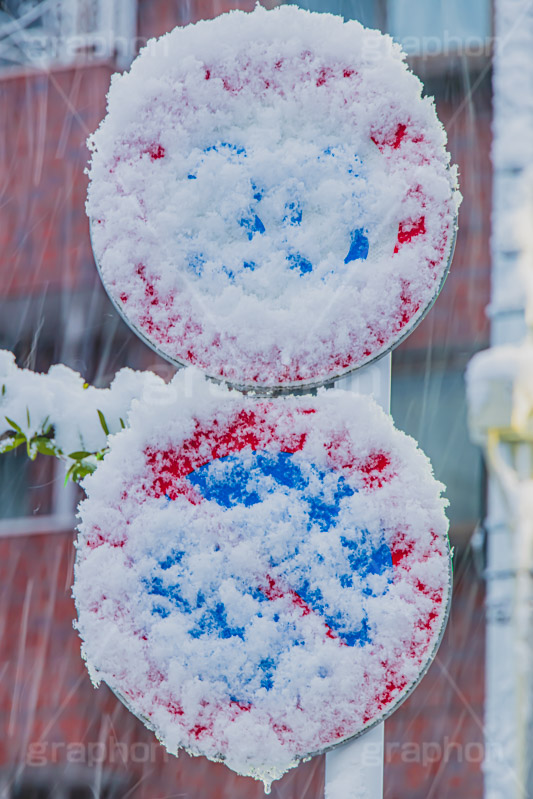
{"x":260,"y":580}
{"x":510,"y":366}
{"x":270,"y":196}
{"x":524,"y":240}
{"x":59,"y":399}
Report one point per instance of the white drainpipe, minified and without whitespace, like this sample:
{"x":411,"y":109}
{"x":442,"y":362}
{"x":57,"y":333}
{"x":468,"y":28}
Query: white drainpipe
{"x":508,"y":580}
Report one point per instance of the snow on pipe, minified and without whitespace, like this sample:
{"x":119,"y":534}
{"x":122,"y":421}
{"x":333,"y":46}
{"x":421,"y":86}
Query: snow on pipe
{"x":499,"y":396}
{"x":512,"y":154}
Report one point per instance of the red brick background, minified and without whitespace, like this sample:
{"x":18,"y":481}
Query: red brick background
{"x":45,"y":118}
{"x":458,"y":319}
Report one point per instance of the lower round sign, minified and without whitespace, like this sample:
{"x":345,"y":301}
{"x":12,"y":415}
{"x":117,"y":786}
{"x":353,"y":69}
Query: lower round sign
{"x":260,"y":581}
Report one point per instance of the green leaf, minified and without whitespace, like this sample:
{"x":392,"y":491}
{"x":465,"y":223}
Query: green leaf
{"x":15,"y":442}
{"x":28,"y":416}
{"x":84,"y":469}
{"x":69,"y":473}
{"x":121,"y":420}
{"x":103,"y":422}
{"x":3,"y":389}
{"x":78,"y":471}
{"x":78,"y":456}
{"x":14,"y":425}
{"x":43,"y":445}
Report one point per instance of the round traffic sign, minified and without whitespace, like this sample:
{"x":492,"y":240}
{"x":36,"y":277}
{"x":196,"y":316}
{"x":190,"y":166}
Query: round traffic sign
{"x":250,"y":578}
{"x":271,"y":198}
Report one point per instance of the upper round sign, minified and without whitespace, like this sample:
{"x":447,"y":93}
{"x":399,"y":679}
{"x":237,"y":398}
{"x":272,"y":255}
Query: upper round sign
{"x":271,"y":198}
{"x":250,"y":578}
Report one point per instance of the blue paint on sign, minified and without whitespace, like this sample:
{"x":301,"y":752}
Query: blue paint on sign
{"x":359,"y":247}
{"x":230,"y":486}
{"x":253,"y":225}
{"x":246,"y":480}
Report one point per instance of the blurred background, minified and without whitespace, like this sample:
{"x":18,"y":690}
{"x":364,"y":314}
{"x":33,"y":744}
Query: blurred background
{"x":59,"y":737}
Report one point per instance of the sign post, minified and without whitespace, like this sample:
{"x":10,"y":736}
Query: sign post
{"x":355,"y":770}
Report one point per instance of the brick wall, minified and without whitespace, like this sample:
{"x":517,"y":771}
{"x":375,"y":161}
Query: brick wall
{"x":45,"y":118}
{"x":159,"y":16}
{"x":434,"y":742}
{"x":458,"y":318}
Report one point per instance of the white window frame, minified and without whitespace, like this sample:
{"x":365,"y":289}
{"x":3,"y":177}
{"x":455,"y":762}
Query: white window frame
{"x":71,"y":29}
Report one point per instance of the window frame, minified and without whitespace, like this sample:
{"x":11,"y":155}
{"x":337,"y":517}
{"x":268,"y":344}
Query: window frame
{"x":63,"y":37}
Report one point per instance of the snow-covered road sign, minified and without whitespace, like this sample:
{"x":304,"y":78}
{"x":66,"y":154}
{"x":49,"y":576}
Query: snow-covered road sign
{"x":251,"y":579}
{"x":271,"y":198}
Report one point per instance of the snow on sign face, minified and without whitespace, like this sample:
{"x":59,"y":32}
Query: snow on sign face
{"x":250,"y":579}
{"x":271,"y":198}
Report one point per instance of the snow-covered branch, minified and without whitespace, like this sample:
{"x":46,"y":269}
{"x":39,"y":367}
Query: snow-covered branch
{"x":499,"y":385}
{"x":59,"y":414}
